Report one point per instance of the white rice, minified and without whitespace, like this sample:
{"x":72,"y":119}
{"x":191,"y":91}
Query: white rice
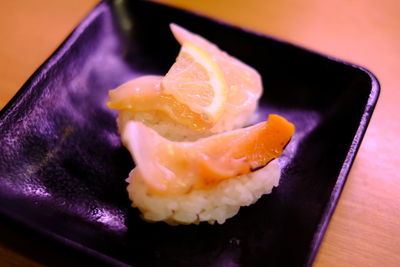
{"x":214,"y":205}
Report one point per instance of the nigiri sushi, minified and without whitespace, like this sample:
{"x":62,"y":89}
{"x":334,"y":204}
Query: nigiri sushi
{"x":204,"y":180}
{"x":194,"y":161}
{"x":205,"y":92}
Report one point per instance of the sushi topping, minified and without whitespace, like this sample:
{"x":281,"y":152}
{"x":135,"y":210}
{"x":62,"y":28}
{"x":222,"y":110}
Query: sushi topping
{"x":197,"y":81}
{"x":244,"y":82}
{"x":171,"y":168}
{"x":145,"y":94}
{"x":203,"y":85}
{"x":192,"y":93}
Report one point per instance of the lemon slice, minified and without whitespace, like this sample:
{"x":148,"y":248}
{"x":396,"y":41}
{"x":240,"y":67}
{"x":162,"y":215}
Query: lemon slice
{"x":195,"y":79}
{"x":244,"y":82}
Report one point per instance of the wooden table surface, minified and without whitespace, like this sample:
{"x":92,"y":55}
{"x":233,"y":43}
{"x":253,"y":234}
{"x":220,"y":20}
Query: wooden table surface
{"x":365,"y":228}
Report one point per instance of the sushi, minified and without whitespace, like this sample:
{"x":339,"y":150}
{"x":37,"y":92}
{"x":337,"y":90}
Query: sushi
{"x":199,"y":156}
{"x":208,"y":179}
{"x":236,"y":89}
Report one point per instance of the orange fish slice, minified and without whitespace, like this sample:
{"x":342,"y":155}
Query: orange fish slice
{"x":171,"y":168}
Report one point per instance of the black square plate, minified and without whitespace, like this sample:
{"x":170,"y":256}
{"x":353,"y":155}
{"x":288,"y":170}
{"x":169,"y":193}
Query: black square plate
{"x":62,"y":166}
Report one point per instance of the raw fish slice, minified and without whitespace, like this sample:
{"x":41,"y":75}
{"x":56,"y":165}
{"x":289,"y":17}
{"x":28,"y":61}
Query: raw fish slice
{"x":173,"y":168}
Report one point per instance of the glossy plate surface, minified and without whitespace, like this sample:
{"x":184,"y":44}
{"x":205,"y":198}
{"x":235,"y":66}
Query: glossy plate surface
{"x":63,"y":169}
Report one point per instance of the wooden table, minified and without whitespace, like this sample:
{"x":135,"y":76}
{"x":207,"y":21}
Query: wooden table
{"x":365,"y":228}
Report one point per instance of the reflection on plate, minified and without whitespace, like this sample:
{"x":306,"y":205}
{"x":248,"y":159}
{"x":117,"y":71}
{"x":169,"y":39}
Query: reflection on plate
{"x":62,"y":166}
